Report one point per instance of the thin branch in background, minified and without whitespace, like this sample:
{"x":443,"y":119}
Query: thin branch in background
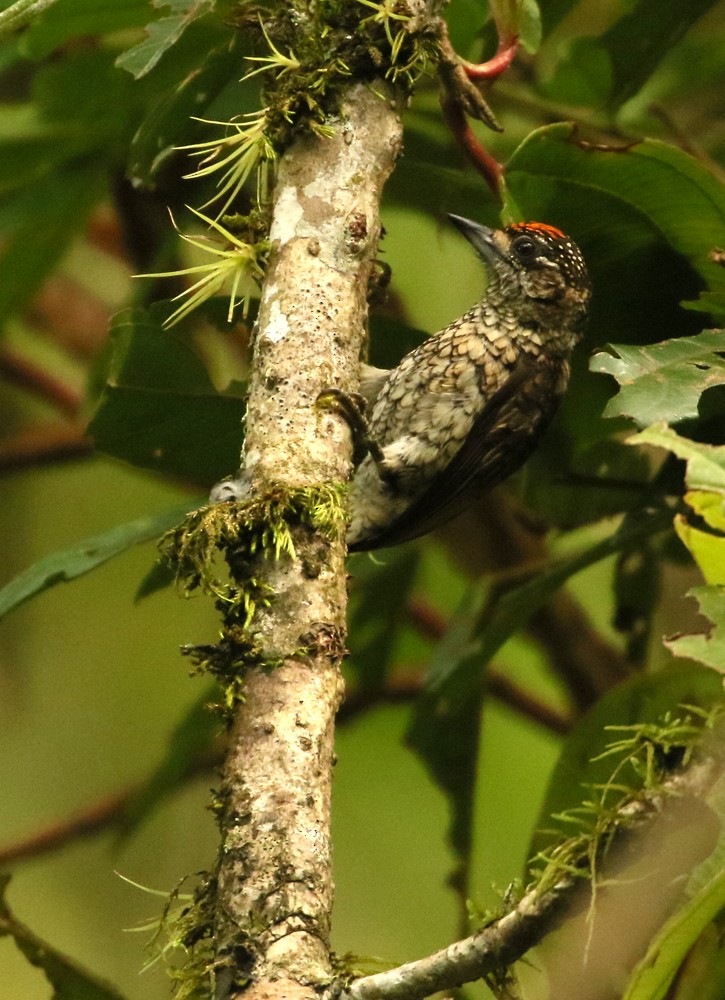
{"x":428,"y":621}
{"x":69,"y":315}
{"x":89,"y":820}
{"x":22,"y":371}
{"x":432,"y":625}
{"x":46,"y":444}
{"x":397,"y":691}
{"x":21,"y":13}
{"x":111,"y":810}
{"x":499,"y":538}
{"x":526,"y":704}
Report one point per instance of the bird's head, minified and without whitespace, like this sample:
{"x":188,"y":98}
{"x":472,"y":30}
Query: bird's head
{"x":536,"y":273}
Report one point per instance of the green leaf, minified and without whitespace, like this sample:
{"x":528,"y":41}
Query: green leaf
{"x":420,"y":181}
{"x":445,"y":726}
{"x":518,"y":18}
{"x":530,"y":25}
{"x":655,"y":973}
{"x":553,"y":12}
{"x":705,"y":462}
{"x":640,"y":700}
{"x":70,"y":981}
{"x":647,"y":32}
{"x":162,"y":34}
{"x":391,"y":340}
{"x":379,"y":594}
{"x":651,"y":182}
{"x":67,"y":564}
{"x":100,"y":113}
{"x":707,"y":647}
{"x":611,"y":68}
{"x":32,"y":149}
{"x":705,"y":477}
{"x":189,"y":750}
{"x":45,"y":221}
{"x":80,"y":18}
{"x":513,"y":607}
{"x":599,"y":480}
{"x":712,"y":303}
{"x":583,"y":75}
{"x":169,"y":125}
{"x":663,"y":382}
{"x":702,"y":974}
{"x":709,"y":506}
{"x":159,"y":409}
{"x":707,"y":549}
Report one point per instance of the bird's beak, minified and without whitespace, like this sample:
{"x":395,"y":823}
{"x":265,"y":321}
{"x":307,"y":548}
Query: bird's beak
{"x":480,"y":237}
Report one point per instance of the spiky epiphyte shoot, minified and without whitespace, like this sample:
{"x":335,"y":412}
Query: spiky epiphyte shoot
{"x":243,"y":148}
{"x":235,"y":264}
{"x":277,"y":61}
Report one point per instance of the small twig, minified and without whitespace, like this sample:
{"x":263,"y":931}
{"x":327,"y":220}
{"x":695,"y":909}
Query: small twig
{"x":426,"y":619}
{"x":43,"y":445}
{"x":397,"y":691}
{"x":499,"y":944}
{"x":459,"y":87}
{"x":19,"y":369}
{"x":103,"y":814}
{"x":526,"y":704}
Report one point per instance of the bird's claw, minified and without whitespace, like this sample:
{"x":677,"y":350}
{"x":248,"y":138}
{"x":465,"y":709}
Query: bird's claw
{"x":351,"y":407}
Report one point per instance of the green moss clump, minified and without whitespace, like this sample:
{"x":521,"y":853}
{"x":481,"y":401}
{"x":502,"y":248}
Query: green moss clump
{"x":331,"y":43}
{"x":644,"y":756}
{"x":219,"y":550}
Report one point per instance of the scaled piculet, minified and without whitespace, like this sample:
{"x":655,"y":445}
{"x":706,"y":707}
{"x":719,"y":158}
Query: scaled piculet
{"x":466,"y":408}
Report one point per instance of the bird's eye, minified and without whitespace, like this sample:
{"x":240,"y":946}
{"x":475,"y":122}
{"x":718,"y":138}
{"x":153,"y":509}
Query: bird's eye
{"x":524,"y":248}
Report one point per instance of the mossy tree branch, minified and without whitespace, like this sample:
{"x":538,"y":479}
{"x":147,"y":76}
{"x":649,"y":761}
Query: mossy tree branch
{"x":273,"y":879}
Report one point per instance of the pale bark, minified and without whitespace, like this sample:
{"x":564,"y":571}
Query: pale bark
{"x":274,"y":874}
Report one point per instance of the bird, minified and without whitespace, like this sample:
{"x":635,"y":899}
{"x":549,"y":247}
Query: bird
{"x":465,"y":409}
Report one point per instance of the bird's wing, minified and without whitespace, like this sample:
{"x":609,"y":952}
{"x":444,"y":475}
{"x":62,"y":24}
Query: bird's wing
{"x":502,"y":437}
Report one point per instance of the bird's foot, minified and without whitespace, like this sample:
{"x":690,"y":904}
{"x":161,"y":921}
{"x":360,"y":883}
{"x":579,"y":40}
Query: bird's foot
{"x":351,"y":407}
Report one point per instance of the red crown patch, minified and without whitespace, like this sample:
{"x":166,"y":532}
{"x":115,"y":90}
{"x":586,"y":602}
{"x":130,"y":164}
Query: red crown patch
{"x":539,"y":227}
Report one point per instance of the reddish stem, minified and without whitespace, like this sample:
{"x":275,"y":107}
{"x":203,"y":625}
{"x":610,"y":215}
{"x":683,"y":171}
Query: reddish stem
{"x":489,"y":70}
{"x":489,"y":167}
